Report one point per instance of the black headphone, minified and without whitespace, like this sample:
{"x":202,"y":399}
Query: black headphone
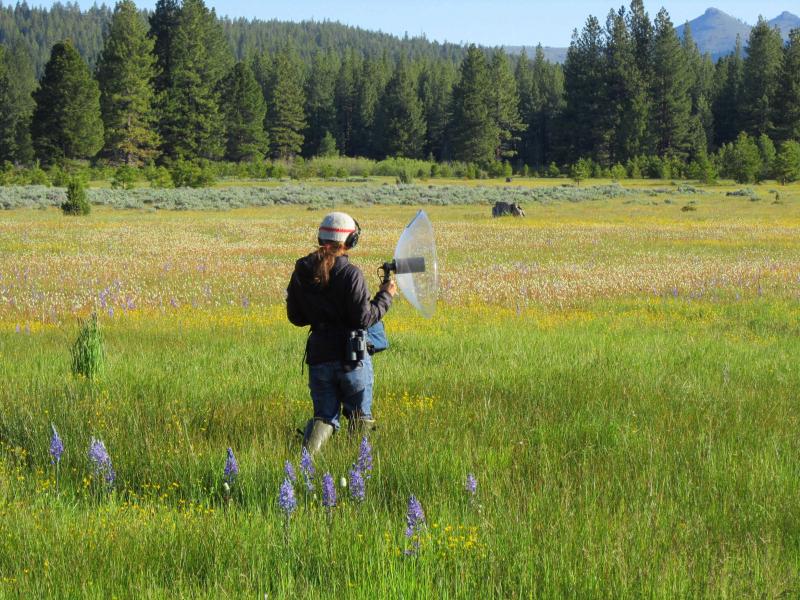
{"x":352,"y":239}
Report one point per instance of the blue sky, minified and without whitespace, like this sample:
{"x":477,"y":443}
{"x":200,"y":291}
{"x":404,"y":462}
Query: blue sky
{"x":490,"y":22}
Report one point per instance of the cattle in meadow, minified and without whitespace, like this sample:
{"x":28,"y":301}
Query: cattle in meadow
{"x":502,"y":209}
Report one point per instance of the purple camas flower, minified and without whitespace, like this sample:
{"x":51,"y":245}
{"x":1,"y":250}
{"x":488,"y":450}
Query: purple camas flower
{"x":415,"y":518}
{"x":365,"y":458}
{"x":307,"y":467}
{"x":472,"y":484}
{"x":56,"y":447}
{"x":328,"y":491}
{"x":231,"y":467}
{"x":101,"y":461}
{"x":286,"y":500}
{"x":357,"y":489}
{"x":288,"y":468}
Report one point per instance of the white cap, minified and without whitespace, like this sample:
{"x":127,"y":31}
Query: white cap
{"x":336,"y":227}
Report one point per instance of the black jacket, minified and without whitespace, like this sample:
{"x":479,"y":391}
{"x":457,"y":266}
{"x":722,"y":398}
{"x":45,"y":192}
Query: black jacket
{"x":332,"y":311}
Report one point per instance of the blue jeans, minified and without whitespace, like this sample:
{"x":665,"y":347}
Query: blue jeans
{"x":334,"y":389}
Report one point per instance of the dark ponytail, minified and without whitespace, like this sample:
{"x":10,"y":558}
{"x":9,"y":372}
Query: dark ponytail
{"x":325,"y":259}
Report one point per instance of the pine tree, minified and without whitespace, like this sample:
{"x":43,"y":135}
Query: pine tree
{"x":369,"y":88}
{"x":787,"y":163}
{"x":529,"y":105}
{"x":543,"y":129}
{"x":474,"y":131}
{"x":285,"y":117}
{"x":761,"y":72}
{"x":400,"y":121}
{"x":672,"y":103}
{"x":191,"y":124}
{"x":320,"y":108}
{"x":642,"y":35}
{"x":626,"y":100}
{"x":435,"y":89}
{"x":163,"y":23}
{"x":640,"y":30}
{"x":244,"y":111}
{"x":584,"y":77}
{"x":701,"y":86}
{"x":7,"y":120}
{"x":66,"y":121}
{"x":727,"y":96}
{"x":504,"y":102}
{"x":17,"y":82}
{"x":787,"y":97}
{"x":345,"y":100}
{"x":125,"y":73}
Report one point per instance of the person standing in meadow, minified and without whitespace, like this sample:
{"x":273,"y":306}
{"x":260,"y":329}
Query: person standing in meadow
{"x":330,"y":294}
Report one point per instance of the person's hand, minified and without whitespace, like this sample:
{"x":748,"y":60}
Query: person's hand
{"x":390,"y":287}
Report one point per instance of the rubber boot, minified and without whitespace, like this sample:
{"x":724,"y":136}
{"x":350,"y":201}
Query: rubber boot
{"x":317,"y":433}
{"x":359,"y":425}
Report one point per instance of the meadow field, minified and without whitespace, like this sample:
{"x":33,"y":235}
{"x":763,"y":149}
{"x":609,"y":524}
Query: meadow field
{"x":619,"y":372}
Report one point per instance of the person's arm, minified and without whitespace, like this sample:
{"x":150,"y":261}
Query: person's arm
{"x":362,"y":312}
{"x":294,"y":309}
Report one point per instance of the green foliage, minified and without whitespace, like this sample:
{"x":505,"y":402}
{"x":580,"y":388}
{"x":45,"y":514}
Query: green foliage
{"x":669,"y":123}
{"x":59,"y":176}
{"x":583,"y":88}
{"x":741,"y":160}
{"x":627,"y":89}
{"x":124,"y":178}
{"x":158,"y":177}
{"x":125,"y":72}
{"x":581,"y":170}
{"x":405,"y":176}
{"x":16,"y":104}
{"x":191,"y":173}
{"x":435,"y":89}
{"x":76,"y":204}
{"x":400,"y":121}
{"x":37,"y":176}
{"x":88,"y":352}
{"x":787,"y":162}
{"x":191,"y":122}
{"x":327,"y":147}
{"x":703,"y":169}
{"x":553,"y":170}
{"x":163,"y":24}
{"x":618,"y":172}
{"x":729,"y":81}
{"x":370,"y":83}
{"x":504,"y":106}
{"x":285,"y":117}
{"x":475,"y":134}
{"x":320,"y":109}
{"x":244,"y":109}
{"x":762,"y":66}
{"x":766,"y":150}
{"x":66,"y":121}
{"x":625,"y":94}
{"x":787,"y":94}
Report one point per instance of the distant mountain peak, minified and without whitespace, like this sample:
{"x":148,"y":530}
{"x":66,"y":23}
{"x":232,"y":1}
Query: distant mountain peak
{"x":715,"y":32}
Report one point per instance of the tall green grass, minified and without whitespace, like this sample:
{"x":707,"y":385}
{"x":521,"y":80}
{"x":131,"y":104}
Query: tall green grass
{"x":629,"y":449}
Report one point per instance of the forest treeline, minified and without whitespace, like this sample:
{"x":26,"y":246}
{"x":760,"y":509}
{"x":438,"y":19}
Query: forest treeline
{"x":125,"y":87}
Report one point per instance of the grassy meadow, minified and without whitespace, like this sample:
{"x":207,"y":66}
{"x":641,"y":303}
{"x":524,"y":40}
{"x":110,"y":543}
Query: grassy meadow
{"x":620,"y":375}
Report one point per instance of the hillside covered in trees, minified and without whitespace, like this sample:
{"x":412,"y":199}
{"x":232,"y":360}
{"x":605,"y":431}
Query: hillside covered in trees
{"x":125,"y":87}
